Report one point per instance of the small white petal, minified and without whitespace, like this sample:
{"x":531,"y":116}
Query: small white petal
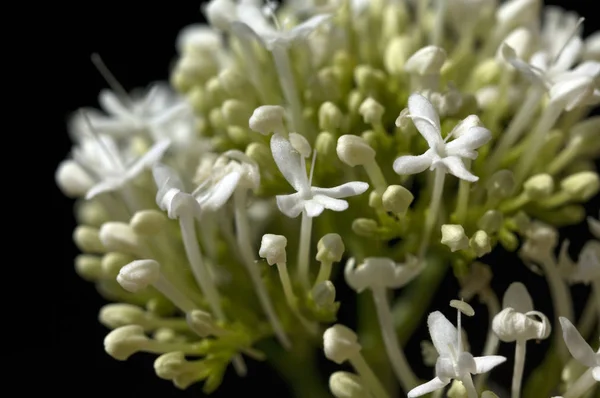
{"x":578,"y":347}
{"x":313,"y":208}
{"x":596,"y":373}
{"x":107,"y":185}
{"x":569,"y":55}
{"x":487,"y":363}
{"x":533,"y":73}
{"x":331,"y":203}
{"x":409,"y":164}
{"x":149,"y":158}
{"x":474,"y":138}
{"x":220,"y":192}
{"x":348,"y":189}
{"x":307,"y":27}
{"x":432,"y":385}
{"x":290,"y":205}
{"x":456,"y":167}
{"x":517,"y":297}
{"x":112,"y":104}
{"x":443,"y":333}
{"x":425,"y":118}
{"x":288,"y":162}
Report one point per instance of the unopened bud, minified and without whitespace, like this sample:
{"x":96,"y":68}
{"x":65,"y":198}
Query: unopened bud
{"x":426,"y":61}
{"x":501,"y":184}
{"x":112,"y":263}
{"x":453,"y":236}
{"x":88,"y":240}
{"x":117,"y":315}
{"x":340,"y":343}
{"x":491,"y":221}
{"x":148,"y":222}
{"x":272,"y":248}
{"x":371,"y":111}
{"x":539,"y":186}
{"x":330,"y":248}
{"x":138,"y":274}
{"x":72,"y":179}
{"x":354,"y":150}
{"x":369,"y":79}
{"x":347,"y":385}
{"x":236,"y":112}
{"x":325,"y":144}
{"x":202,"y":323}
{"x":365,"y":227}
{"x":170,"y":365}
{"x":323,"y":294}
{"x":481,"y":243}
{"x":330,"y":117}
{"x":119,"y":237}
{"x":268,"y":119}
{"x":125,"y":341}
{"x":91,"y":213}
{"x":510,"y":325}
{"x":88,"y":267}
{"x":581,"y":186}
{"x":397,"y":52}
{"x":397,"y":199}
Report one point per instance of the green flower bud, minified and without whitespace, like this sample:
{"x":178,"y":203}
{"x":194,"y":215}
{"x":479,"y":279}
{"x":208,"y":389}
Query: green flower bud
{"x":491,"y":221}
{"x":112,"y":263}
{"x":330,"y":248}
{"x":148,"y":222}
{"x":480,"y":243}
{"x":453,"y":236}
{"x":88,"y":267}
{"x":365,"y":227}
{"x":330,"y":117}
{"x":539,"y":186}
{"x":501,"y":185}
{"x":125,"y":341}
{"x":397,"y":199}
{"x":581,"y":186}
{"x":88,"y":240}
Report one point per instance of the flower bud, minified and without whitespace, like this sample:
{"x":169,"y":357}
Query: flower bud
{"x":235,"y":84}
{"x":148,"y":222}
{"x":340,"y":343}
{"x":501,"y":184}
{"x":323,"y":294}
{"x":72,"y":179}
{"x":125,"y":341}
{"x":88,"y":267}
{"x":202,"y":323}
{"x":138,"y":274}
{"x":354,"y":150}
{"x":396,"y":199}
{"x":87,"y":239}
{"x":375,"y":200}
{"x":347,"y":385}
{"x":371,"y":111}
{"x":91,"y":213}
{"x":219,"y":13}
{"x":365,"y":227}
{"x":463,"y":307}
{"x":480,"y":242}
{"x":510,"y":325}
{"x":119,"y":237}
{"x":330,"y":248}
{"x":516,"y":45}
{"x":426,"y":61}
{"x":581,"y":186}
{"x":268,"y":119}
{"x":325,"y":145}
{"x":330,"y":117}
{"x":539,"y":186}
{"x":369,"y":79}
{"x":397,"y":52}
{"x":541,"y":239}
{"x":170,"y":365}
{"x":300,"y":144}
{"x":517,"y":12}
{"x":117,"y":315}
{"x":112,"y":263}
{"x":236,"y":112}
{"x":453,"y":236}
{"x":272,"y":248}
{"x":491,"y":221}
{"x":486,"y":72}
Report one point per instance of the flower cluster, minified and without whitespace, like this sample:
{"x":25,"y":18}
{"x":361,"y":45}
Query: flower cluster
{"x":400,"y":138}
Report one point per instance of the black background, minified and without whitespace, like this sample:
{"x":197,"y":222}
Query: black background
{"x":136,"y":41}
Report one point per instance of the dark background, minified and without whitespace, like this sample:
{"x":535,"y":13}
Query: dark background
{"x":136,"y":41}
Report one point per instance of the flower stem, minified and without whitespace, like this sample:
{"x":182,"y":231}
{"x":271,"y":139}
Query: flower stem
{"x":462,"y":201}
{"x":581,"y":386}
{"x":291,"y":299}
{"x":520,"y":349}
{"x":376,"y":176}
{"x":399,"y":363}
{"x":438,"y":28}
{"x":467,"y":381}
{"x":288,"y":86}
{"x":489,"y":298}
{"x":304,"y":249}
{"x":324,"y":272}
{"x":243,"y":239}
{"x":369,"y":378}
{"x":434,"y":208}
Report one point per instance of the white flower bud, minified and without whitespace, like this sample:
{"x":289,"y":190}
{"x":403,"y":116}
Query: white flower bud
{"x":491,"y":221}
{"x":340,"y":344}
{"x":235,"y":112}
{"x":125,"y":341}
{"x":330,"y":116}
{"x":396,"y":199}
{"x":91,"y":213}
{"x":272,"y":248}
{"x":481,"y":243}
{"x":202,"y":323}
{"x":368,"y":79}
{"x":330,"y":248}
{"x":268,"y":119}
{"x":112,"y":263}
{"x":365,"y":227}
{"x":520,"y":41}
{"x":371,"y":111}
{"x":198,"y":39}
{"x":119,"y":237}
{"x":347,"y":385}
{"x":88,"y":267}
{"x":510,"y":325}
{"x":397,"y":52}
{"x":300,"y":144}
{"x":539,"y":186}
{"x":72,"y":179}
{"x":453,"y":236}
{"x":219,"y":13}
{"x":170,"y":365}
{"x":426,"y":61}
{"x":354,"y":150}
{"x":581,"y":186}
{"x":517,"y":12}
{"x":323,"y":294}
{"x":486,"y":72}
{"x":88,"y":240}
{"x":574,"y":92}
{"x":138,"y":274}
{"x":148,"y":222}
{"x":116,"y":315}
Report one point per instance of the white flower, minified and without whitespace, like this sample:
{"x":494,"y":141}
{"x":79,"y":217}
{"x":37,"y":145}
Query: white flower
{"x":440,"y":153}
{"x":453,"y":362}
{"x":171,"y":195}
{"x":587,"y":268}
{"x":376,"y":272}
{"x":312,"y":200}
{"x":579,"y":348}
{"x":101,"y":158}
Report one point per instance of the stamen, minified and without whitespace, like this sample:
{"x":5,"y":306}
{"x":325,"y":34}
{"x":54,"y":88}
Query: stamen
{"x":569,"y":38}
{"x":111,"y":80}
{"x":312,"y":167}
{"x":114,"y":157}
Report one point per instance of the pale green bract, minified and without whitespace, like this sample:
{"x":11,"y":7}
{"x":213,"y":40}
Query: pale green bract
{"x":379,"y":142}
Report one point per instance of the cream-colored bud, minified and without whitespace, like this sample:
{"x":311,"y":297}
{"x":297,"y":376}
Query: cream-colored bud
{"x":112,"y":263}
{"x":397,"y":199}
{"x":88,"y":267}
{"x":234,"y":83}
{"x":148,"y":222}
{"x":369,"y":79}
{"x":323,"y":294}
{"x":375,"y":200}
{"x":88,"y":240}
{"x":539,"y":186}
{"x":340,"y":344}
{"x":272,"y":248}
{"x":371,"y":111}
{"x":426,"y":61}
{"x":268,"y":119}
{"x":501,"y":184}
{"x":517,"y":12}
{"x":510,"y":325}
{"x":258,"y":152}
{"x":491,"y":221}
{"x":236,"y":112}
{"x":125,"y":341}
{"x":214,"y":91}
{"x":202,"y":323}
{"x":330,"y":117}
{"x":166,"y":335}
{"x":219,"y":13}
{"x":521,"y":222}
{"x":72,"y":179}
{"x":581,"y":186}
{"x":365,"y":227}
{"x":347,"y":385}
{"x":216,"y":119}
{"x":119,"y":237}
{"x":397,"y":52}
{"x":300,"y":144}
{"x":138,"y":274}
{"x":330,"y":248}
{"x":481,"y":243}
{"x":170,"y":365}
{"x":325,"y":145}
{"x":92,"y":213}
{"x":520,"y":41}
{"x":116,"y":315}
{"x":463,"y":307}
{"x":453,"y":236}
{"x":354,"y":150}
{"x":486,"y":72}
{"x":355,"y":98}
